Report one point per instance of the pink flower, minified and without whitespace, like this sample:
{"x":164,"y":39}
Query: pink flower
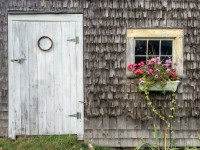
{"x":131,"y":67}
{"x":168,"y":70}
{"x":166,"y":65}
{"x":150,"y":71}
{"x":159,"y":63}
{"x":168,"y":61}
{"x":153,"y":59}
{"x":150,"y":63}
{"x":158,"y":58}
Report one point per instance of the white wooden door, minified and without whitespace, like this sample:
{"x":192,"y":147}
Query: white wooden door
{"x":45,"y":87}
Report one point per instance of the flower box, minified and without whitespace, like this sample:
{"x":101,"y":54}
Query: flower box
{"x":170,"y":86}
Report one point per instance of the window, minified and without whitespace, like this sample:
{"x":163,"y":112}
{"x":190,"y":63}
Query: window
{"x":142,"y":44}
{"x":147,"y":48}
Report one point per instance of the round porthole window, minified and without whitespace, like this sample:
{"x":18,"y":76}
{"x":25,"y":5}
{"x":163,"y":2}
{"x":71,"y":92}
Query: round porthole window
{"x":45,"y":43}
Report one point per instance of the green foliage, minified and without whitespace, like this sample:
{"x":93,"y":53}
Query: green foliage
{"x":156,"y":135}
{"x":147,"y":146}
{"x":198,"y":136}
{"x":101,"y":148}
{"x":42,"y":142}
{"x":6,"y":144}
{"x":65,"y":142}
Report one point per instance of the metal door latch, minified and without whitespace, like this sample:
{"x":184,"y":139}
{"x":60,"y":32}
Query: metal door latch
{"x":19,"y":60}
{"x":77,"y":115}
{"x":76,"y":40}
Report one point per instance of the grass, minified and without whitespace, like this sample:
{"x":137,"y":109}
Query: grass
{"x":44,"y":143}
{"x":146,"y":146}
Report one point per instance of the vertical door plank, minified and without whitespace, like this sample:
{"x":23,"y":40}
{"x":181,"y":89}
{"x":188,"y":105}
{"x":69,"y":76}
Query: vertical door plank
{"x":66,"y":71}
{"x":73,"y":74}
{"x":79,"y":83}
{"x":33,"y":78}
{"x":41,"y":65}
{"x":11,"y":125}
{"x":49,"y":77}
{"x":57,"y":51}
{"x":24,"y":77}
{"x":16,"y":73}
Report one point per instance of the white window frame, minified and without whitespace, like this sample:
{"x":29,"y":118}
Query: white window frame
{"x":175,"y":34}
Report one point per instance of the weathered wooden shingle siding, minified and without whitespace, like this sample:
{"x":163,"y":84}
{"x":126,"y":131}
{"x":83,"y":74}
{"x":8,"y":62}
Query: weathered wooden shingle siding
{"x":3,"y":70}
{"x":119,"y":115}
{"x":116,"y":114}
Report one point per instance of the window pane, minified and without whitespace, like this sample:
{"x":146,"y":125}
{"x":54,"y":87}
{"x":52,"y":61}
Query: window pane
{"x":139,"y":59}
{"x":166,"y":47}
{"x":140,"y":47}
{"x":153,"y":47}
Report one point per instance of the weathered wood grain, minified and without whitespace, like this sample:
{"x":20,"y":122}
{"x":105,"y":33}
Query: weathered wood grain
{"x":16,"y":101}
{"x":73,"y":76}
{"x":50,"y":78}
{"x":24,"y":77}
{"x":66,"y":77}
{"x":79,"y":78}
{"x":42,"y":95}
{"x":58,"y":78}
{"x":33,"y":79}
{"x":50,"y":82}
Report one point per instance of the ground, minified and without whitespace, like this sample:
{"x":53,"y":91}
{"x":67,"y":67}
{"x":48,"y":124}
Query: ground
{"x":45,"y":143}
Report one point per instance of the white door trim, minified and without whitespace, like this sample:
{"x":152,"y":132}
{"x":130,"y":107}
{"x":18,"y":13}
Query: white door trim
{"x":46,"y":17}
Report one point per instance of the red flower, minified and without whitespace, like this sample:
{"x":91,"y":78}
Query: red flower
{"x":138,"y":72}
{"x":131,"y":67}
{"x":135,"y":65}
{"x":174,"y":74}
{"x":141,"y":64}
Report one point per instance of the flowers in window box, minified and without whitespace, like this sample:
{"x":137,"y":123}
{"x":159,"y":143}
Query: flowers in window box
{"x":155,"y":72}
{"x":156,"y":75}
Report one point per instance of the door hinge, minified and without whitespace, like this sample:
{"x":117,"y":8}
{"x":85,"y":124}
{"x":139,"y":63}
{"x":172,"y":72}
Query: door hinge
{"x":76,"y":40}
{"x":77,"y":115}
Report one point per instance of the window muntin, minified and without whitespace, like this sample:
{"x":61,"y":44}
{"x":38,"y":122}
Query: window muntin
{"x":147,"y":48}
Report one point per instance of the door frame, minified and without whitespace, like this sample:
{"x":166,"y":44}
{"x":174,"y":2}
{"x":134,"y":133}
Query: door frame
{"x":44,"y":17}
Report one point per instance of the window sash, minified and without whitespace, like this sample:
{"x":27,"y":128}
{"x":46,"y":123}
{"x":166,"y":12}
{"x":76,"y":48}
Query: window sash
{"x":154,"y":39}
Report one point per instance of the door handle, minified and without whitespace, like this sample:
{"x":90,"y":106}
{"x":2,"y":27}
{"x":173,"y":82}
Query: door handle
{"x":19,"y":60}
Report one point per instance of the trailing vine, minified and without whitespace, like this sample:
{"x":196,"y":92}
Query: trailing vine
{"x":157,"y":112}
{"x":157,"y":74}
